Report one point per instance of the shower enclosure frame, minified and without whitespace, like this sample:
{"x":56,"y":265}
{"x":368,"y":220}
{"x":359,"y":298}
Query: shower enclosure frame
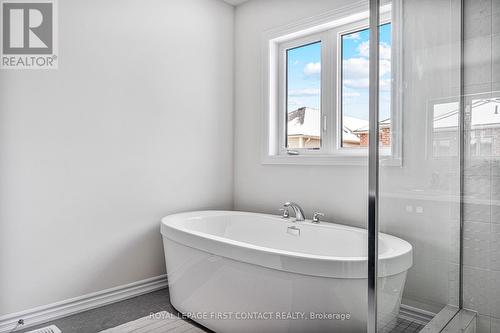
{"x":373,"y":166}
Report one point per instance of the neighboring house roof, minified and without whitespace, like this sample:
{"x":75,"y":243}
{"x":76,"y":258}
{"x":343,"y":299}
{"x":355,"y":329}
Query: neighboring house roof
{"x":307,"y":122}
{"x":365,"y":129}
{"x":485,"y":113}
{"x":354,"y":124}
{"x":304,"y":121}
{"x":350,"y":126}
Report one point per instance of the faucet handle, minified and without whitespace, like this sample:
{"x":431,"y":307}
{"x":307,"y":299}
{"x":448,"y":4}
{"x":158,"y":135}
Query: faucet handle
{"x":316,"y":217}
{"x":285,"y":213}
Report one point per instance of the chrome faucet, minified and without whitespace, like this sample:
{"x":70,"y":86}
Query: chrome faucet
{"x":316,"y":217}
{"x":299,"y":213}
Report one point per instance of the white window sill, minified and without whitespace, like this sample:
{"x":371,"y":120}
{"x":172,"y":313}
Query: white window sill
{"x":361,"y":160}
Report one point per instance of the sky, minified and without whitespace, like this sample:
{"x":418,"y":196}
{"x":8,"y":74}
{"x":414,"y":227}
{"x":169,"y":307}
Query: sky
{"x":304,"y":69}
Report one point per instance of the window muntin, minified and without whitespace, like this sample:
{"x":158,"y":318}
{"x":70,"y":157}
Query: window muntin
{"x":303,"y":97}
{"x":354,"y":87}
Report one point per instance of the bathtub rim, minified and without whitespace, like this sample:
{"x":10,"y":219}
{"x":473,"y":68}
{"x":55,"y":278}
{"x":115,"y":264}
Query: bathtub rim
{"x":390,"y":263}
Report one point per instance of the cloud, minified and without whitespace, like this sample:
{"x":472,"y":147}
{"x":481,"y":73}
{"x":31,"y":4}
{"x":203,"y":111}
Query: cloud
{"x":355,"y":68}
{"x":312,"y":69}
{"x":364,"y":83}
{"x":357,"y":83}
{"x":364,"y":49}
{"x":358,"y":68}
{"x":307,"y":92}
{"x":385,"y":50}
{"x":354,"y":35}
{"x":294,"y":103}
{"x":356,"y":73}
{"x":350,"y":94}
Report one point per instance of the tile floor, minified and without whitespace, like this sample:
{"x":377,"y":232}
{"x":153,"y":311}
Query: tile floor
{"x":115,"y":314}
{"x":162,"y":322}
{"x":123,"y":312}
{"x":403,"y":326}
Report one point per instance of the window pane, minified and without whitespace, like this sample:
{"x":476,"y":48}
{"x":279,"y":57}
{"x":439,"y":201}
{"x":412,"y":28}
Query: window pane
{"x":484,"y":127}
{"x":444,"y":129}
{"x":303,"y":94}
{"x":355,"y":94}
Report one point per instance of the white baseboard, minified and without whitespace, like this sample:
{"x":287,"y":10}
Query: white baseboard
{"x":49,"y":312}
{"x":415,"y":314}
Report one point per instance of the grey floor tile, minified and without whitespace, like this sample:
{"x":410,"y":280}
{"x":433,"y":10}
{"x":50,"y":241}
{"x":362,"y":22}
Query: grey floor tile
{"x":402,"y":326}
{"x":132,"y":312}
{"x":115,"y":314}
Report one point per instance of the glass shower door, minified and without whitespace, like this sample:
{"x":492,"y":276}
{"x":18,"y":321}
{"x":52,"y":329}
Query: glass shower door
{"x":419,"y":162}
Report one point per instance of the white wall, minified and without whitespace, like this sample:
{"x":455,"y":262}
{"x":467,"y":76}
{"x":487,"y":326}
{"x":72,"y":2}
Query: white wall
{"x":430,"y":72}
{"x":265,"y":187}
{"x":138,"y":123}
{"x":135,"y":124}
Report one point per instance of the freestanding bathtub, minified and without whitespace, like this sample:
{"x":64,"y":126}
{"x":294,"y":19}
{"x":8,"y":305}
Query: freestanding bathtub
{"x":246,"y":272}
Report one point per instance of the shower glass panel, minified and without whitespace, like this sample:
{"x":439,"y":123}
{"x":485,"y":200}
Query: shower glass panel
{"x":419,"y":172}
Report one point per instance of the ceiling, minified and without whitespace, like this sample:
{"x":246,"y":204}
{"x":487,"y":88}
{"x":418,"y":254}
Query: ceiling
{"x":235,"y":2}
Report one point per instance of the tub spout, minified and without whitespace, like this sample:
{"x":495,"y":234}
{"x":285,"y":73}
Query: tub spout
{"x":299,"y":212}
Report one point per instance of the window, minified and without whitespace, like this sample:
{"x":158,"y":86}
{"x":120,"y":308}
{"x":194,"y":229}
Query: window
{"x":303,"y":97}
{"x":316,"y":93}
{"x":482,"y":126}
{"x":444,"y":129}
{"x":354,"y":86}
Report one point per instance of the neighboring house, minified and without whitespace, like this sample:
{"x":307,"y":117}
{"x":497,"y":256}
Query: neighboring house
{"x":304,"y":126}
{"x":304,"y":130}
{"x":384,"y":132}
{"x":349,"y":126}
{"x":483,"y":126}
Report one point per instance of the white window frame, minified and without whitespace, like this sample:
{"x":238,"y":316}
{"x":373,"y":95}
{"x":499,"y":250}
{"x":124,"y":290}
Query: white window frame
{"x":326,"y":139}
{"x":327,"y":28}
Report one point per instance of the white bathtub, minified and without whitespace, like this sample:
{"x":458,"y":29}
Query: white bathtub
{"x":247,"y":272}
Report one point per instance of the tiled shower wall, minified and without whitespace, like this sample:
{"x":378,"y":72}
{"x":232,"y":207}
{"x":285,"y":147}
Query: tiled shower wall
{"x":482,"y":173}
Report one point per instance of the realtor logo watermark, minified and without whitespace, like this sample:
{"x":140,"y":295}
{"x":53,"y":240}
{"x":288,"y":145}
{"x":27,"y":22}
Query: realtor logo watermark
{"x":28,"y":34}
